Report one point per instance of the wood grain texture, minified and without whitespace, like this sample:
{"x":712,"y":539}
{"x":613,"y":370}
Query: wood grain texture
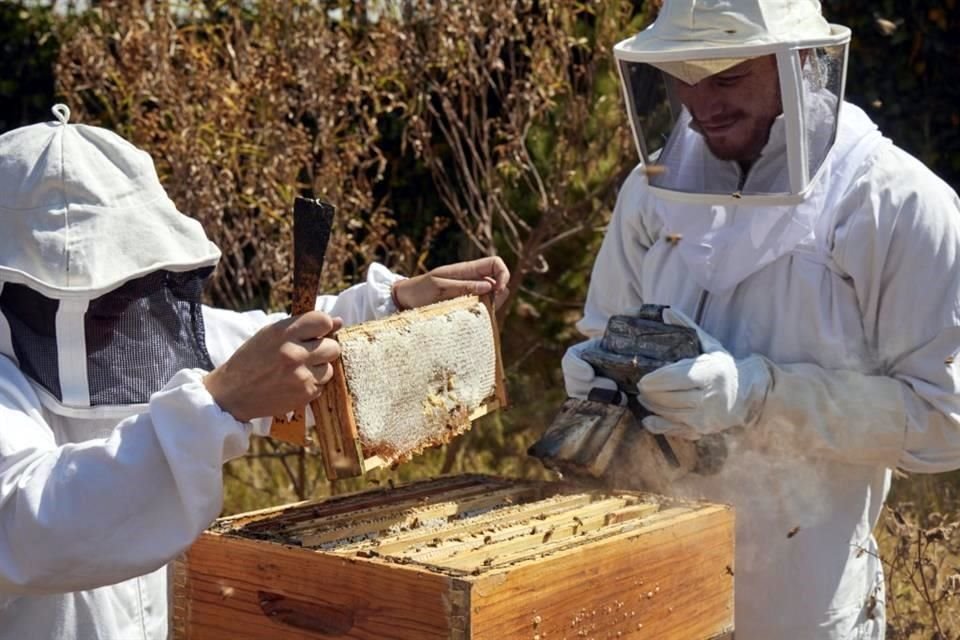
{"x":467,"y":557}
{"x":502,"y":401}
{"x":671,"y":579}
{"x":336,"y":429}
{"x":310,"y":595}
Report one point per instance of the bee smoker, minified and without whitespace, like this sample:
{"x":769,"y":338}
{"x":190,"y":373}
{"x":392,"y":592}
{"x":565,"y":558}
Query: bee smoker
{"x":603,"y":437}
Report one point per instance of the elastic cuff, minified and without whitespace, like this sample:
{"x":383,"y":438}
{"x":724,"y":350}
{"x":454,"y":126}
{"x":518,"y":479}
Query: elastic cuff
{"x":380,"y":280}
{"x":191,"y":381}
{"x":200,"y":422}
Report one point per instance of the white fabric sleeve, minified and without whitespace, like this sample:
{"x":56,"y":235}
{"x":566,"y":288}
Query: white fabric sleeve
{"x":80,"y":516}
{"x":623,"y":250}
{"x":368,"y":300}
{"x":901,"y":249}
{"x":227,"y":330}
{"x":843,"y":415}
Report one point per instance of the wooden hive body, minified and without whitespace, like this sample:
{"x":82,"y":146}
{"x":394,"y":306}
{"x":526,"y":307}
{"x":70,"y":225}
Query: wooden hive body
{"x":463,"y":557}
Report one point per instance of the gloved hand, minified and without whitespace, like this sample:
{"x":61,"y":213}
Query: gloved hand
{"x":578,"y":376}
{"x":707,"y":394}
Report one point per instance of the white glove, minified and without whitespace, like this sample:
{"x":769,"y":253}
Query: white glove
{"x":578,"y":376}
{"x":707,"y":394}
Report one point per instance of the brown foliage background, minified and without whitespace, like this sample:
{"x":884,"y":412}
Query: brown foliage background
{"x":242,"y":112}
{"x":242,"y":108}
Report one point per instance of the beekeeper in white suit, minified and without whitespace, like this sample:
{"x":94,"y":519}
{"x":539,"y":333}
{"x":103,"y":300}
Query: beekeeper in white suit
{"x":119,"y":397}
{"x":819,"y":264}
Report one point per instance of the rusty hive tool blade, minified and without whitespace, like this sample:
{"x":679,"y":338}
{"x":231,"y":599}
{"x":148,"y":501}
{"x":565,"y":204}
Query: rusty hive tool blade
{"x":312,"y":224}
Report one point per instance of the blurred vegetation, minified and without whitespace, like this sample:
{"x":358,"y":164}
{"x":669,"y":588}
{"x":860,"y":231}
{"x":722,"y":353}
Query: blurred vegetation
{"x":445,"y":131}
{"x":905,"y":71}
{"x":920,"y":549}
{"x":28,"y":52}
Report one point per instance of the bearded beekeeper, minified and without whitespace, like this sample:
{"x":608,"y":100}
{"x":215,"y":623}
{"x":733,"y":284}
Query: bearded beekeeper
{"x":121,"y":396}
{"x":819,"y":264}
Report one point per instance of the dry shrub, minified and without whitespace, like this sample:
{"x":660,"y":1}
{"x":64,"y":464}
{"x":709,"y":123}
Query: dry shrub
{"x":241,"y":111}
{"x":523,"y":138}
{"x":512,"y":104}
{"x":921,"y":557}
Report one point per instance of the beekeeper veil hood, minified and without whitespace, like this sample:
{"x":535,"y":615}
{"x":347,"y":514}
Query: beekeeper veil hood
{"x":705,"y":85}
{"x":100,"y":275}
{"x":735,"y":107}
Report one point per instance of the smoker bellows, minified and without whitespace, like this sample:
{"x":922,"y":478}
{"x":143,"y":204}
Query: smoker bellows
{"x":603,"y":436}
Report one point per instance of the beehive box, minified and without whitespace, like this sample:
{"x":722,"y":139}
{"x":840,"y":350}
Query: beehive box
{"x":463,"y":557}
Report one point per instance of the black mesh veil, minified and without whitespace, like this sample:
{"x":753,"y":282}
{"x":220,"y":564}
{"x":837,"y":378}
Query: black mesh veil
{"x":137,"y":336}
{"x":32,"y":319}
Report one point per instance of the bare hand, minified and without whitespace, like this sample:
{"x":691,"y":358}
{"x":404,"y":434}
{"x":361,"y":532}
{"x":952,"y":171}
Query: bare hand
{"x":280,"y":369}
{"x":477,"y":277}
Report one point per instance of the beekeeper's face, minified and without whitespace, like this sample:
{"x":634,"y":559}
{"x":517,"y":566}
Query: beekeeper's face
{"x":733,"y":110}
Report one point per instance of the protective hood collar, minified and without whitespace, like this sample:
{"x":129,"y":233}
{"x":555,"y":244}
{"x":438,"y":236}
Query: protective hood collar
{"x":83,"y":212}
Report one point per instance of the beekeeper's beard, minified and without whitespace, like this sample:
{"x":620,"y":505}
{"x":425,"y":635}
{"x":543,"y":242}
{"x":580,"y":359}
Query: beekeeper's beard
{"x":741,"y":141}
{"x":734,"y":110}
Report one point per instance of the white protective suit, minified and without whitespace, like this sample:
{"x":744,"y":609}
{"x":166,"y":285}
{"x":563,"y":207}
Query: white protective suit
{"x":96,"y":498}
{"x":829,"y":273}
{"x":857,"y":324}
